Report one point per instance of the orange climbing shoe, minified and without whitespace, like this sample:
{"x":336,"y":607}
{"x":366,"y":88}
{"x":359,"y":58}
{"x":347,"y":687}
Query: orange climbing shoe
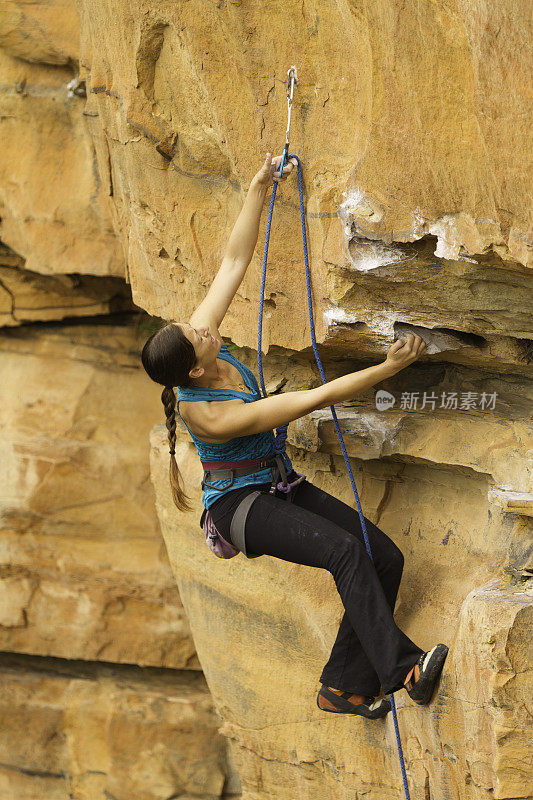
{"x":430,"y":664}
{"x":341,"y":704}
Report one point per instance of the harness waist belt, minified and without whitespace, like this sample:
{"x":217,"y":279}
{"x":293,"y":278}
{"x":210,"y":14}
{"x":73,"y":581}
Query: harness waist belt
{"x":275,"y":462}
{"x":214,"y":465}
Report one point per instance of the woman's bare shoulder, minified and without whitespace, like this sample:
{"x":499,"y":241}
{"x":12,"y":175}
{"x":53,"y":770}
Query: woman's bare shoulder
{"x":194,"y":412}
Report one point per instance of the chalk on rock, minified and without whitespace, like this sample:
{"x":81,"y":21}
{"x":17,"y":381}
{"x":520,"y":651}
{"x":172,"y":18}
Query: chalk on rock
{"x":76,"y":88}
{"x":512,"y":501}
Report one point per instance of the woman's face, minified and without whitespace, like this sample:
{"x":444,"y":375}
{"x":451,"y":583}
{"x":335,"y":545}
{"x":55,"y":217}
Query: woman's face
{"x":205,"y":346}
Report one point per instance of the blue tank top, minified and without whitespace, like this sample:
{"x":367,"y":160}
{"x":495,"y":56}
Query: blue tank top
{"x":256,"y":445}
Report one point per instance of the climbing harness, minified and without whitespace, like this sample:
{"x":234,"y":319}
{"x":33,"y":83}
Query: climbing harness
{"x":229,"y":470}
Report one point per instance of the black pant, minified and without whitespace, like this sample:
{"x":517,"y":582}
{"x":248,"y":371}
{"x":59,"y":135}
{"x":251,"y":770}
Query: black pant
{"x":318,"y":530}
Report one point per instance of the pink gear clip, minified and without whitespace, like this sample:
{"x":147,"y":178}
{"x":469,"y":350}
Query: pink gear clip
{"x":289,"y":486}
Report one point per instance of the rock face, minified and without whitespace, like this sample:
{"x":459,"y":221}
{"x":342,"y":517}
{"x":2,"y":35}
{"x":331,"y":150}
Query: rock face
{"x":86,"y":589}
{"x":429,"y":113}
{"x":86,"y":574}
{"x":97,"y":732}
{"x":130,"y":133}
{"x":275,"y":623}
{"x":54,"y":207}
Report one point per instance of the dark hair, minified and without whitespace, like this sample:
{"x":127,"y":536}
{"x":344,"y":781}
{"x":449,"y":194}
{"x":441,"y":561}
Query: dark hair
{"x":167,"y":357}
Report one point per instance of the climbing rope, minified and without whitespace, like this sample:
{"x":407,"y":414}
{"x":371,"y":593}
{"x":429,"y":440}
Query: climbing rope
{"x":281,"y":432}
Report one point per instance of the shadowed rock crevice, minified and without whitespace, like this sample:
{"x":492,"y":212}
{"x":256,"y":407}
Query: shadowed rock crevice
{"x":27,"y":296}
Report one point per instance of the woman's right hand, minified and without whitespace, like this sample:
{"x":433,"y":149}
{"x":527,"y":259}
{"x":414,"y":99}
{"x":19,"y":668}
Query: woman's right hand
{"x":269,"y":172}
{"x":403,"y":352}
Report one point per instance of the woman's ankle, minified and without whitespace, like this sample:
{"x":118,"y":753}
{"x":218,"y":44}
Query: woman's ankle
{"x":355,"y":697}
{"x":413,"y":675}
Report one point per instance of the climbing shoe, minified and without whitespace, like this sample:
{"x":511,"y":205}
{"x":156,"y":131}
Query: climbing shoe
{"x":371,"y":708}
{"x":430,"y":665}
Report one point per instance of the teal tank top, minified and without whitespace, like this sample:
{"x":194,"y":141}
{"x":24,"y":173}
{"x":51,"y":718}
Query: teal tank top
{"x":256,"y":445}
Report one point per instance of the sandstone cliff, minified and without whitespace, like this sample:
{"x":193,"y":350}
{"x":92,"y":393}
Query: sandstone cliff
{"x":413,"y":125}
{"x":101,"y":691}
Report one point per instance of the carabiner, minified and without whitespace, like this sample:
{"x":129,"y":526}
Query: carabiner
{"x":292,"y":79}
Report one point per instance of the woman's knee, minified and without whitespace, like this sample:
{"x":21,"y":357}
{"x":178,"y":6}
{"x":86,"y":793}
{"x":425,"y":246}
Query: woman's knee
{"x":391,"y":556}
{"x":387,"y":552}
{"x":349,"y":553}
{"x":397,"y":559}
{"x":387,"y":555}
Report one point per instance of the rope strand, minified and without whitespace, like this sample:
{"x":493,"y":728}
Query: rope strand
{"x":281,"y":433}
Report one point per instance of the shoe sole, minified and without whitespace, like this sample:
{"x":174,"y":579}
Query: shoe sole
{"x":423,"y":689}
{"x":356,"y":713}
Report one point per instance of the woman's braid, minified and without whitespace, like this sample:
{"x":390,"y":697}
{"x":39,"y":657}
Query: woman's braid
{"x":168,"y":399}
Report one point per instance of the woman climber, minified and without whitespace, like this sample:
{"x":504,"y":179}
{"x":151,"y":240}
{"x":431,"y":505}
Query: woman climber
{"x":229,"y":421}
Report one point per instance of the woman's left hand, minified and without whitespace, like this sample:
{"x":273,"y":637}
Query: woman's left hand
{"x":269,"y":172}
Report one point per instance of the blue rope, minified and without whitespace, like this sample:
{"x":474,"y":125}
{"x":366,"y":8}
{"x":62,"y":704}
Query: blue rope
{"x":281,"y":432}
